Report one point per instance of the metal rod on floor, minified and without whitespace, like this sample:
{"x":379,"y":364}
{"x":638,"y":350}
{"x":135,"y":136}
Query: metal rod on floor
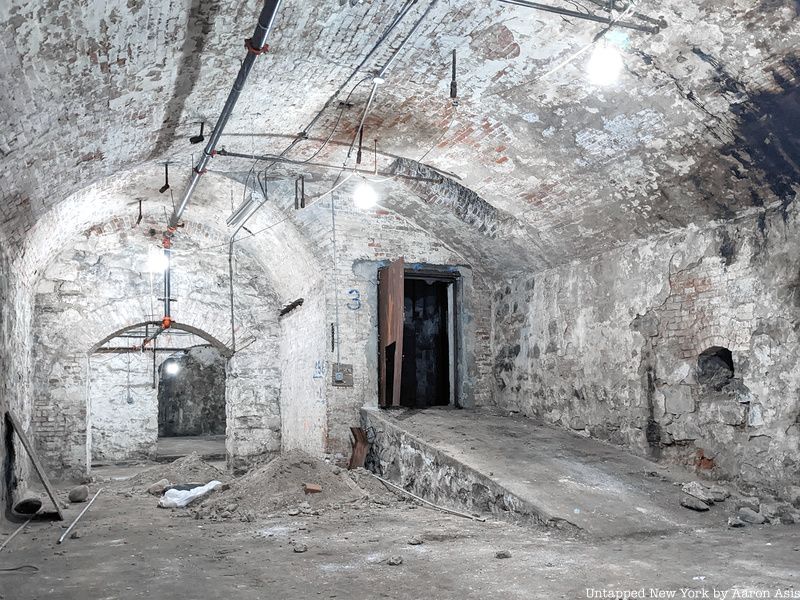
{"x":78,"y":518}
{"x":431,"y":504}
{"x":13,"y":535}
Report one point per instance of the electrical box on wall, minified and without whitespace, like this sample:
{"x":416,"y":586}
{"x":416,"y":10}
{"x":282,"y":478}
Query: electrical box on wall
{"x":342,"y":375}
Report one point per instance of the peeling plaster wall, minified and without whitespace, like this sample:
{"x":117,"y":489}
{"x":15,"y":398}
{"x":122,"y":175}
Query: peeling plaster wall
{"x":304,"y":387}
{"x":15,"y":369}
{"x":609,"y":347}
{"x":253,"y":402}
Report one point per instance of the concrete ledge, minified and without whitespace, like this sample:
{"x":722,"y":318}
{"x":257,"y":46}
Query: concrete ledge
{"x":420,"y":468}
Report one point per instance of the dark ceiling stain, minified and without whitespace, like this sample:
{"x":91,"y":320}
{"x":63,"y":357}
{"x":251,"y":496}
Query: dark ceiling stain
{"x":769,"y":122}
{"x":765,"y":146}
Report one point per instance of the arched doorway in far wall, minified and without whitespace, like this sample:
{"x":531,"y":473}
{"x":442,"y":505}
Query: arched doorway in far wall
{"x":157,"y":400}
{"x":191,"y":404}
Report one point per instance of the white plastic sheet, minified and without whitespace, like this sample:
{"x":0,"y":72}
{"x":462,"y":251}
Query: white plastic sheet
{"x":181,"y":498}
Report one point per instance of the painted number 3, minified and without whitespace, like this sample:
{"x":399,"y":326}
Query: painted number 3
{"x":355,"y":300}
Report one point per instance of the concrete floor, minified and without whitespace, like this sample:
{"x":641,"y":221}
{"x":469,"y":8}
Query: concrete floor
{"x":600,"y":488}
{"x":210,"y":447}
{"x":129,"y":549}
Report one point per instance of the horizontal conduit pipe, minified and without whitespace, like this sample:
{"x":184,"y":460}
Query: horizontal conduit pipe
{"x":565,"y":12}
{"x":290,"y":161}
{"x":255,"y":46}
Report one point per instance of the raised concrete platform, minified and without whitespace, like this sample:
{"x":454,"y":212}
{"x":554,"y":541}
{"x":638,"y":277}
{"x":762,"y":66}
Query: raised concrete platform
{"x":210,"y":448}
{"x":517,"y":469}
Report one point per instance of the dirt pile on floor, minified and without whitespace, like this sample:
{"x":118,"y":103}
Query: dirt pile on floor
{"x":189,"y":469}
{"x":281,"y":484}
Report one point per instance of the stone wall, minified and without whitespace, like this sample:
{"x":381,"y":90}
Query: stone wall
{"x":99,"y":284}
{"x":610,"y":346}
{"x":123,"y":405}
{"x":15,"y":368}
{"x":253,"y":403}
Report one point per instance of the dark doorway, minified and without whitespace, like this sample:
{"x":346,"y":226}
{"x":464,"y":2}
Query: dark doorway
{"x":191,"y":394}
{"x":417,"y":337}
{"x":426,"y":356}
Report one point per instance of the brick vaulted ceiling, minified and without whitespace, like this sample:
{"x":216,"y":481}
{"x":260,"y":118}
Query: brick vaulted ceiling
{"x":703,"y":123}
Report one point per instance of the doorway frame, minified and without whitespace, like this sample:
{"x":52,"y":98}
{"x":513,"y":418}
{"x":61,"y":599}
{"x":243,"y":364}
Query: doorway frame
{"x":452,"y":276}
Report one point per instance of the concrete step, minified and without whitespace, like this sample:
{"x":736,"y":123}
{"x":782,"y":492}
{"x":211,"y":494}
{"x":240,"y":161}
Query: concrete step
{"x":516,"y":469}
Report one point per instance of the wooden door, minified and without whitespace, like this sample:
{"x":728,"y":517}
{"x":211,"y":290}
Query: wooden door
{"x":390,"y":331}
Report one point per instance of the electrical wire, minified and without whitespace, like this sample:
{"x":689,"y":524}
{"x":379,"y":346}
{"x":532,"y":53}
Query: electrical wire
{"x":335,"y":280}
{"x":304,"y":134}
{"x":441,"y":137}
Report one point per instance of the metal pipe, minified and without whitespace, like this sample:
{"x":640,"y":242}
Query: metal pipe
{"x":397,"y":19}
{"x":431,"y":504}
{"x":230,"y":267}
{"x":378,"y":79}
{"x":375,"y":83}
{"x":565,"y":12}
{"x":13,"y":535}
{"x":255,"y":46}
{"x":291,"y":161}
{"x":132,"y":349}
{"x":290,"y":136}
{"x":167,"y":284}
{"x":78,"y":518}
{"x":622,"y":7}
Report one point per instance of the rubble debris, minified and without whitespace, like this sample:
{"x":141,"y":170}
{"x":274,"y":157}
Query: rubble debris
{"x":693,"y":503}
{"x":281,"y":485}
{"x":774,"y":511}
{"x":699,"y":491}
{"x":750,"y":502}
{"x":312,"y":488}
{"x":79,"y":493}
{"x":718,"y":494}
{"x":159,"y":487}
{"x":502,"y":554}
{"x":735,"y":522}
{"x":748,"y":515}
{"x":190,"y":468}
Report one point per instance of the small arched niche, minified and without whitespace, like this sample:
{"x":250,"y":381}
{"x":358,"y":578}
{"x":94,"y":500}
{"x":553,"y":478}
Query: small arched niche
{"x":715,"y":367}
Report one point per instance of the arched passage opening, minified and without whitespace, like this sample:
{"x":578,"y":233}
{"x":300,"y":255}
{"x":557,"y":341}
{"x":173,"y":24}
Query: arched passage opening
{"x":157,"y":400}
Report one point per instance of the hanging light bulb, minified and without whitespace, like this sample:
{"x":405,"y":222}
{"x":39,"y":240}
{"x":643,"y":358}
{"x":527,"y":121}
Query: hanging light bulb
{"x":172,"y":368}
{"x":605,"y":65}
{"x":156,"y":261}
{"x":364,"y":196}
